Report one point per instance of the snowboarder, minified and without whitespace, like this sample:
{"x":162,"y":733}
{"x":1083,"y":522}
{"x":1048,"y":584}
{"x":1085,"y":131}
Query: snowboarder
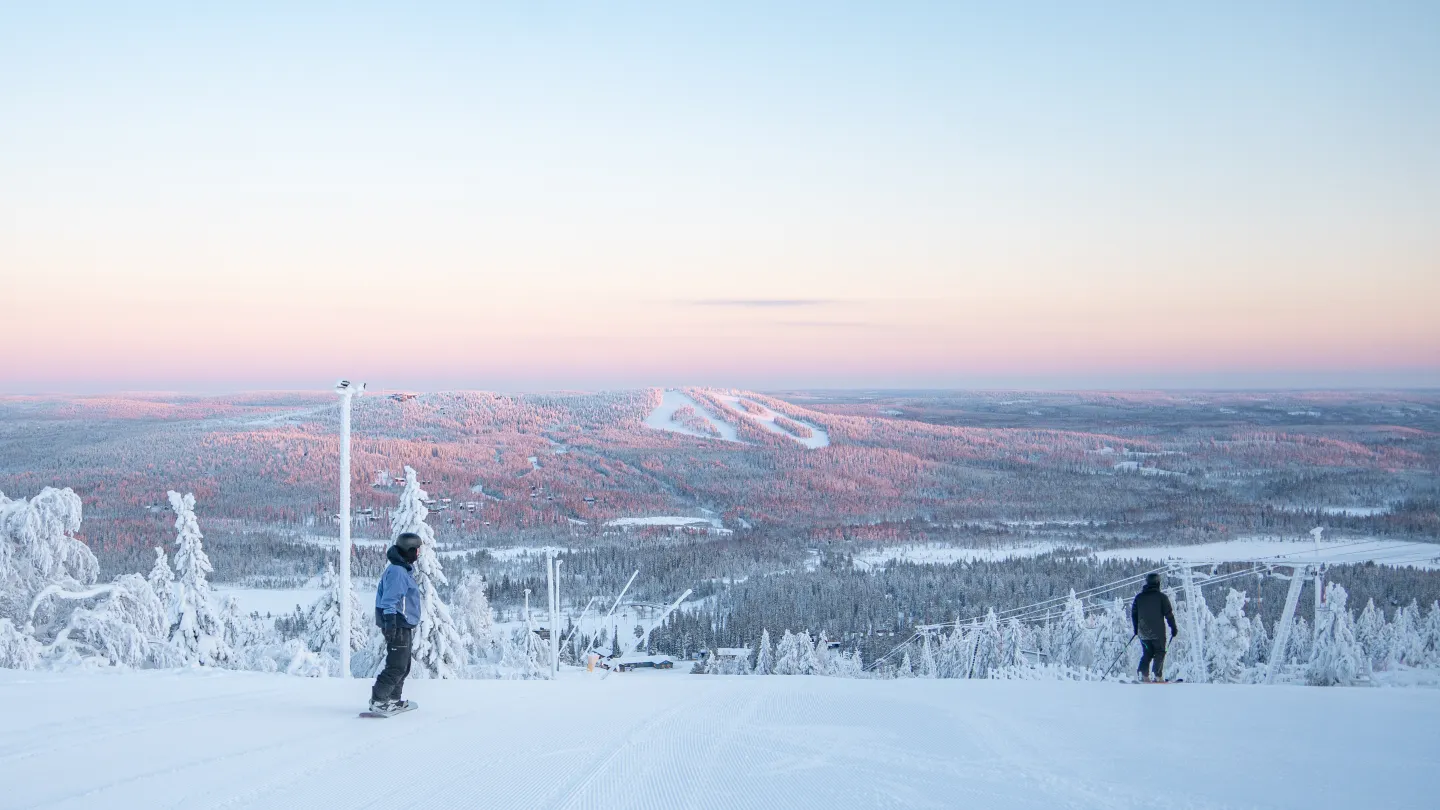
{"x":397,"y":611}
{"x":1148,"y":615}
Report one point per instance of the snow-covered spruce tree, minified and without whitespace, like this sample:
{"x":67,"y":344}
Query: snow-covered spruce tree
{"x":764,"y":655}
{"x":162,"y":582}
{"x":199,"y":627}
{"x":1407,"y":640}
{"x":1301,"y":640}
{"x":439,"y":650}
{"x":794,"y":655}
{"x":906,"y":669}
{"x":322,"y":621}
{"x":1430,"y":632}
{"x":476,"y":622}
{"x":927,"y":668}
{"x":1076,"y":644}
{"x":1227,"y":640}
{"x":1014,"y":640}
{"x":1259,"y":651}
{"x":821,"y":662}
{"x":1335,"y":657}
{"x":1373,"y":635}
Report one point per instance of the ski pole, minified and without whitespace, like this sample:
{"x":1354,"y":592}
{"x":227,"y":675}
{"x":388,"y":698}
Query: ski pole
{"x":1117,"y":656}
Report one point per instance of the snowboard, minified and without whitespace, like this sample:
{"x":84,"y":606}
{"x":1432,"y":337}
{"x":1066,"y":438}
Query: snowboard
{"x":1160,"y":683}
{"x":412,"y":707}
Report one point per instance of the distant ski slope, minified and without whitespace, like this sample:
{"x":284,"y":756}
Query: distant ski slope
{"x":218,"y":739}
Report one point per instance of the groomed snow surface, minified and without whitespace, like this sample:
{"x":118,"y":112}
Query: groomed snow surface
{"x":672,"y":401}
{"x":766,"y":420}
{"x":204,"y":739}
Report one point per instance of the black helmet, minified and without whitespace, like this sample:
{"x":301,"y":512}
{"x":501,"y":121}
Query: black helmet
{"x":1153,"y":580}
{"x":409,"y":541}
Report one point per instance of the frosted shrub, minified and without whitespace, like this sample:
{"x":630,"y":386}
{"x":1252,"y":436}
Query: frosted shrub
{"x":1336,"y":658}
{"x":38,"y":550}
{"x":17,"y":650}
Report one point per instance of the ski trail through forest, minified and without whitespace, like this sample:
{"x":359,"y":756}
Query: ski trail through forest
{"x":209,"y":739}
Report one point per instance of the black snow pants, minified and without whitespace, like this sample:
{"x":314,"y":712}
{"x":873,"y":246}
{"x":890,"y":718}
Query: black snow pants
{"x":397,"y":664}
{"x":1152,"y":650}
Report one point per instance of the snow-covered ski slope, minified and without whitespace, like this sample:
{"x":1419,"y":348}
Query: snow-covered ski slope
{"x":218,"y":739}
{"x":662,"y":418}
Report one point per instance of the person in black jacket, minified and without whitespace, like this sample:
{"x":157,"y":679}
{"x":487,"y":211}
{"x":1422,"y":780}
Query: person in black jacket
{"x":1149,"y":614}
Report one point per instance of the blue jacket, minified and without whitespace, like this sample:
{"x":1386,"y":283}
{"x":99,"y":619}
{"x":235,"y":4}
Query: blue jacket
{"x":398,"y":597}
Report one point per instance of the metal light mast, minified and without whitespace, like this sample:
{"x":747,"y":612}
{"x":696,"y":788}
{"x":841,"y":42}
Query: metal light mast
{"x":347,"y":391}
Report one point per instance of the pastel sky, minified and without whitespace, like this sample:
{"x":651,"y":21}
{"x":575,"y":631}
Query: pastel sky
{"x":457,"y":195}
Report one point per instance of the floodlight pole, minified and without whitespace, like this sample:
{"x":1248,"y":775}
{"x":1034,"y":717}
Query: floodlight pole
{"x":1319,"y":576}
{"x":347,"y":391}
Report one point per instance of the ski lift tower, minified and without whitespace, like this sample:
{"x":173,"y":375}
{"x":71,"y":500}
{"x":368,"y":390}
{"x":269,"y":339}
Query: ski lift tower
{"x":347,"y":391}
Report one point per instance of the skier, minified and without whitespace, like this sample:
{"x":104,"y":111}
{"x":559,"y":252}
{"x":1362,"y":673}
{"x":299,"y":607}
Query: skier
{"x":397,"y":611}
{"x":1148,"y":615}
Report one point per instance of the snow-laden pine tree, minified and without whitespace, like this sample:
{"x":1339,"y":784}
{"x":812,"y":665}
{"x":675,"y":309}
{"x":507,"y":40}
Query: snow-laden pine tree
{"x":1073,"y":640}
{"x":1373,"y":635}
{"x":199,"y":627}
{"x":928,"y":668}
{"x":906,"y":669}
{"x":764,"y":655}
{"x":820,"y":663}
{"x":1259,"y":650}
{"x":794,"y":655}
{"x":476,"y":622}
{"x":1014,"y":640}
{"x":322,"y":622}
{"x":38,"y":551}
{"x":1407,"y":639}
{"x":1430,"y":632}
{"x":1335,"y":657}
{"x":439,"y":650}
{"x":1227,"y":639}
{"x":988,"y":646}
{"x":162,"y":582}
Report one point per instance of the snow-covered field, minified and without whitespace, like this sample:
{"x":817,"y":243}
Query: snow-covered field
{"x":666,"y":520}
{"x":945,"y":555}
{"x":204,"y":739}
{"x":274,"y":601}
{"x":1387,"y":552}
{"x":672,"y":401}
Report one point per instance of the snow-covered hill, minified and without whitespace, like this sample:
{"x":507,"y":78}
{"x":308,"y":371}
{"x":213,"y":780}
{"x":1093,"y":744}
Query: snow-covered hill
{"x":209,"y":739}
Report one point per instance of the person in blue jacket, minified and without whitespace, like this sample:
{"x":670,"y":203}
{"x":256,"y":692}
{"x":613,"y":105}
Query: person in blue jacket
{"x":397,"y":611}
